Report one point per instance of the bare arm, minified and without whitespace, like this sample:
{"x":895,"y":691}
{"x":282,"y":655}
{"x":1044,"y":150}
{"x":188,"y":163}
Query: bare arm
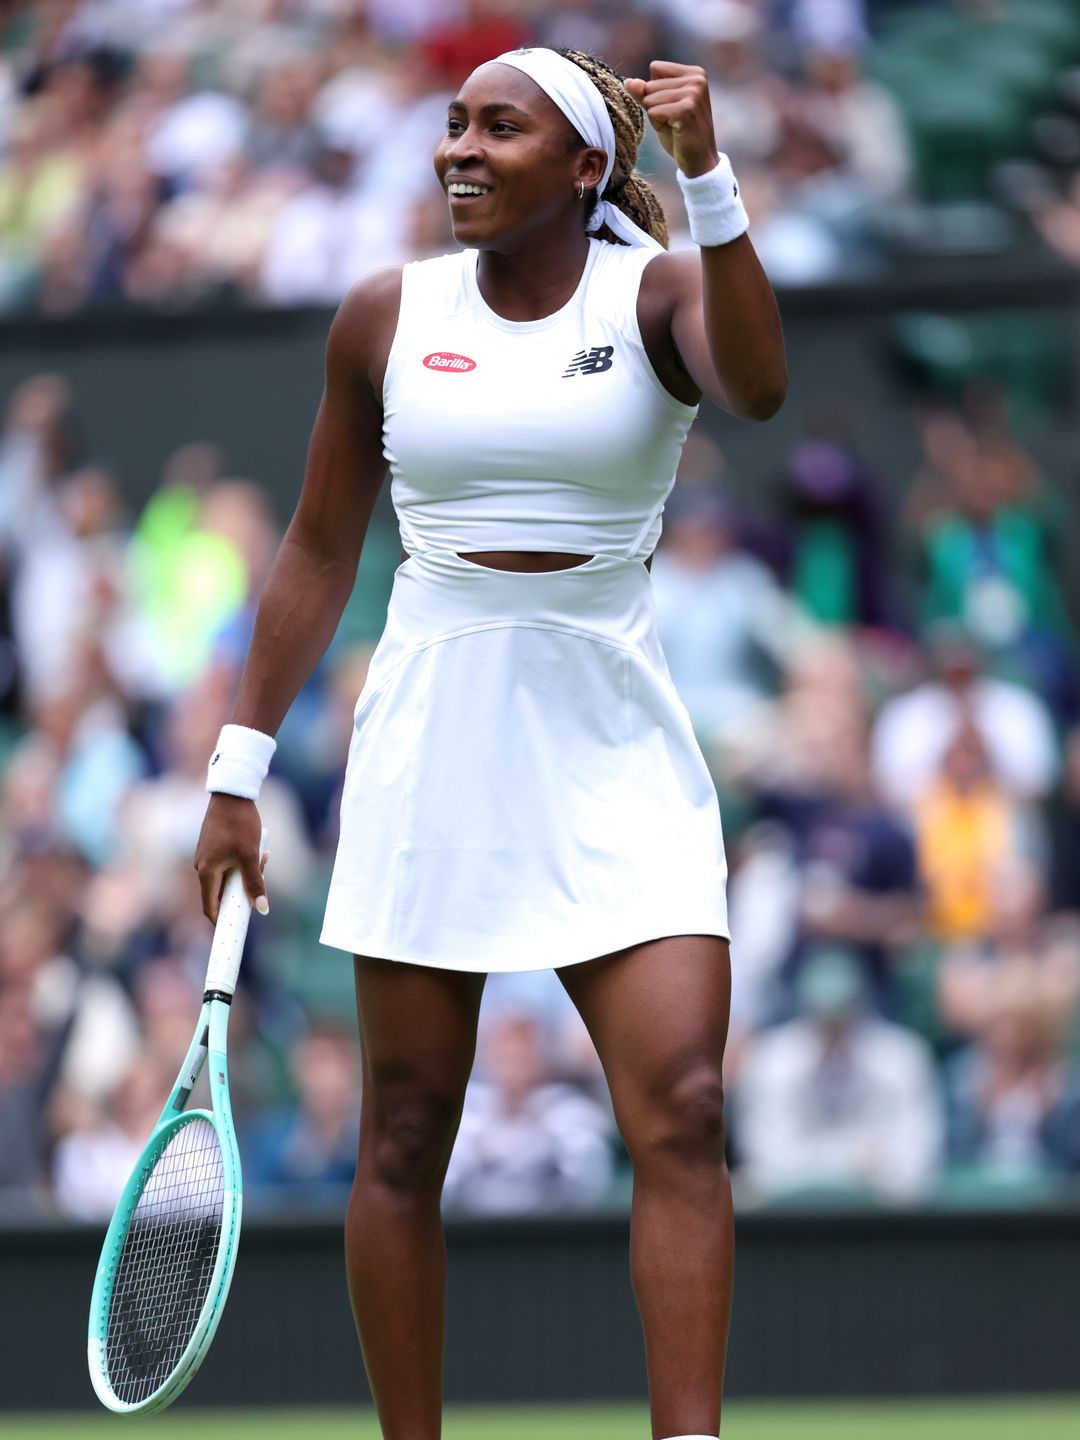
{"x":315,"y":568}
{"x":720,"y":309}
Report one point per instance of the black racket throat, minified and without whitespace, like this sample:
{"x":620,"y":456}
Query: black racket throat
{"x":223,"y":995}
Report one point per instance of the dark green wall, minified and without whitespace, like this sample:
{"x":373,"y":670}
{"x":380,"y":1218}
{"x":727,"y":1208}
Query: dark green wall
{"x":841,"y":1303}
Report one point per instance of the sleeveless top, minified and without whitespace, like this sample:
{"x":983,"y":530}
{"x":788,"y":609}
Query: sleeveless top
{"x":552,"y":434}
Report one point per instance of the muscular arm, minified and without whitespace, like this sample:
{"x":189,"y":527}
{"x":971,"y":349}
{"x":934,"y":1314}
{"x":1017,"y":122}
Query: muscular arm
{"x":710,"y":322}
{"x":722,"y":327}
{"x":315,"y":568}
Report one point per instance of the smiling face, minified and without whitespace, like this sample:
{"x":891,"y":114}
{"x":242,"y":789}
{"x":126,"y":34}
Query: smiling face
{"x":510,"y":162}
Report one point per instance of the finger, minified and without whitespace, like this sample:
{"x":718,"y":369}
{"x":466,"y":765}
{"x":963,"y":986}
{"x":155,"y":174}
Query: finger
{"x":253,"y":883}
{"x":659,"y":69}
{"x":210,"y":888}
{"x":636,"y":89}
{"x":218,"y":891}
{"x":679,"y":95}
{"x":692,"y":84}
{"x":673,"y":116}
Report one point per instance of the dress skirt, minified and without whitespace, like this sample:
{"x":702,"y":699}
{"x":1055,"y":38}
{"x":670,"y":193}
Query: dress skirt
{"x":524,"y":789}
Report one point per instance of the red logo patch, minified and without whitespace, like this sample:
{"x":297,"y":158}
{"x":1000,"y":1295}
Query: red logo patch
{"x":447,"y":360}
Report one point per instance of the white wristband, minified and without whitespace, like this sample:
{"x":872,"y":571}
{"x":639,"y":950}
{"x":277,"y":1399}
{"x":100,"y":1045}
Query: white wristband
{"x":713,"y":205}
{"x":240,"y":762}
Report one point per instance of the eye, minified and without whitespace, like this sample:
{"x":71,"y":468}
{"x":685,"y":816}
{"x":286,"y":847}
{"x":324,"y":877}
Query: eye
{"x":453,"y":127}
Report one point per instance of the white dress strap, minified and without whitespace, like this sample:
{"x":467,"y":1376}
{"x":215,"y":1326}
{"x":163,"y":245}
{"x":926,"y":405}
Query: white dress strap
{"x":615,"y":285}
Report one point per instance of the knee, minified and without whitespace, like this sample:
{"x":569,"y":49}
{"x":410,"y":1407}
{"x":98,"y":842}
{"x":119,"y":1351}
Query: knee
{"x":685,"y":1122}
{"x":410,"y":1140}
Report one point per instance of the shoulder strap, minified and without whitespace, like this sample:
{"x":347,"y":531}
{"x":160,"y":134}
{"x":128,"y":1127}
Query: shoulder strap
{"x":438,"y":285}
{"x":615,"y":282}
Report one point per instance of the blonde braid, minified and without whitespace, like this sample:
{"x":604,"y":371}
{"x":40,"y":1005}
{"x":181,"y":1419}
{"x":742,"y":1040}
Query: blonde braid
{"x":627,"y":190}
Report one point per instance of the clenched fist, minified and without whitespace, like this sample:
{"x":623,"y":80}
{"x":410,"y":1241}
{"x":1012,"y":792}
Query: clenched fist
{"x":676,"y":100}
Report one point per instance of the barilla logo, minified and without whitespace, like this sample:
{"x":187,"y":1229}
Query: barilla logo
{"x":445,"y":360}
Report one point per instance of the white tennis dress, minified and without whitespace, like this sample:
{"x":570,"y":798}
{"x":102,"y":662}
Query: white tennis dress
{"x":524,"y":789}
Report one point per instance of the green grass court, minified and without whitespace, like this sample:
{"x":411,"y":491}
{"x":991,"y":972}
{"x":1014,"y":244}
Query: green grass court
{"x":982,"y":1419}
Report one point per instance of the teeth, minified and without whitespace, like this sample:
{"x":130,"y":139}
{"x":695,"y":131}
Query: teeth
{"x":456,"y":187}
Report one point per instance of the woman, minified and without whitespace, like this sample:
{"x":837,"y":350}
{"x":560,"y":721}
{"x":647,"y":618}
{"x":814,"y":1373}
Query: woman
{"x":523,"y":786}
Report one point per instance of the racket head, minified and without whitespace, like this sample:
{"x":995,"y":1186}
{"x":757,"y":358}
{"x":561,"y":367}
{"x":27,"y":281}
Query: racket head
{"x":166,"y":1264}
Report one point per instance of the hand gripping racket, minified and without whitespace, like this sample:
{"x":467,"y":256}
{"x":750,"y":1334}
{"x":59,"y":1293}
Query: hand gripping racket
{"x":170,"y":1249}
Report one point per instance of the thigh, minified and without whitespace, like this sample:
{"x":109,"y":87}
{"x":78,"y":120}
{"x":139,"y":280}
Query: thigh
{"x":417,"y":1027}
{"x":657,"y":1014}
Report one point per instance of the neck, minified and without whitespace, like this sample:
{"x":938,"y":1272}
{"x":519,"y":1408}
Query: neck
{"x":530,"y":283}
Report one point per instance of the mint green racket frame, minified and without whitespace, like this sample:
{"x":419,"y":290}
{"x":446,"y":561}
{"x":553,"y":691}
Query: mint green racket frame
{"x":208,"y":1042}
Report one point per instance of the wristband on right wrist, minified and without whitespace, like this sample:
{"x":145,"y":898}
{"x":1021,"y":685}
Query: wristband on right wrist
{"x":714,"y":206}
{"x":240,"y":761}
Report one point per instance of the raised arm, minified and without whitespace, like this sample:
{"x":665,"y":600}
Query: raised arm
{"x":722,"y":317}
{"x":315,"y":568}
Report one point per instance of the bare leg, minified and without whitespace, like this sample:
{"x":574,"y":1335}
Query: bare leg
{"x":658,"y":1015}
{"x":417,"y":1038}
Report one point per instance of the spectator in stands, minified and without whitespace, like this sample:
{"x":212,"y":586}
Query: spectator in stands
{"x":821,"y":24}
{"x":37,"y":452}
{"x":1020,"y":938}
{"x":330,"y":234}
{"x":283,"y":136}
{"x":726,"y":625}
{"x":307,"y":1153}
{"x":969,"y":834}
{"x":1058,"y":220}
{"x":914,"y":729}
{"x":1065,"y":823}
{"x":485,"y":28}
{"x":40,"y":185}
{"x":526,"y":1143}
{"x":1015,"y":1094}
{"x":990,"y":567}
{"x":837,"y":1098}
{"x":837,"y":566}
{"x":99,"y":1144}
{"x":860,"y":122}
{"x":745,"y":92}
{"x":82,"y":1013}
{"x":854,"y":859}
{"x":26,"y":1078}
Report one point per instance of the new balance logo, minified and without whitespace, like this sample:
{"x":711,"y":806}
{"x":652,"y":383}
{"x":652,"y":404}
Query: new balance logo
{"x":590,"y":362}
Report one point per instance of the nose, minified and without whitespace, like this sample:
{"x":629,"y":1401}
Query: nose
{"x":462,"y":145}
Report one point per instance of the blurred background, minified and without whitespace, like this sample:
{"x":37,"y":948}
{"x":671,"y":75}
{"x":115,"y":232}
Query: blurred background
{"x":869,"y":608}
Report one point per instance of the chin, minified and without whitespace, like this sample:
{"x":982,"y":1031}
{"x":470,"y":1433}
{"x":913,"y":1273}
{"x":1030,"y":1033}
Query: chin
{"x":471,"y":236}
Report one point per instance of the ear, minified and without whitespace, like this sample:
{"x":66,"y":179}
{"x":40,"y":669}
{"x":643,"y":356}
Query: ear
{"x":590,"y":168}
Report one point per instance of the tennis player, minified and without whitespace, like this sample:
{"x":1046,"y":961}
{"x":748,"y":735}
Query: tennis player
{"x":523,"y":787}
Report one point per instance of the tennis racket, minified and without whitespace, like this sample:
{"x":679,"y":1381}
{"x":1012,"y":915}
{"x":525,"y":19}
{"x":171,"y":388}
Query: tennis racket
{"x":170,"y":1249}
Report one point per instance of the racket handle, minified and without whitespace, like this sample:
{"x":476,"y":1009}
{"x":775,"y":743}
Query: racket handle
{"x":230,"y":931}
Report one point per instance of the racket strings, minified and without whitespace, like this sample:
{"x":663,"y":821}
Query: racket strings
{"x":166,"y":1263}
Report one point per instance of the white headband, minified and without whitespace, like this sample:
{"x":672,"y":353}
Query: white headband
{"x":581,"y":102}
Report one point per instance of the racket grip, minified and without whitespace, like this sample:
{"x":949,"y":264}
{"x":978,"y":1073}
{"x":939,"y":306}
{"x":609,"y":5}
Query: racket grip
{"x":230,"y":931}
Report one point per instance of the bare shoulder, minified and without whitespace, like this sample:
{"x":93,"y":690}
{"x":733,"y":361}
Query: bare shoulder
{"x":363,"y":328}
{"x":670,"y":275}
{"x":668,"y":282}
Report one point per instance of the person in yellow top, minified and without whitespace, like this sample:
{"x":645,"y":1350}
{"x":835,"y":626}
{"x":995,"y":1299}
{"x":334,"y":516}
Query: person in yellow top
{"x":965,"y":833}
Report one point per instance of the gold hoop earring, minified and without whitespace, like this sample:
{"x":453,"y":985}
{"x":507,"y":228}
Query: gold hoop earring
{"x":581,"y":189}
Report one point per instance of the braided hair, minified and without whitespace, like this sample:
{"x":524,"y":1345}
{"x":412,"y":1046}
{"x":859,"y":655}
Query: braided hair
{"x":626,"y":190}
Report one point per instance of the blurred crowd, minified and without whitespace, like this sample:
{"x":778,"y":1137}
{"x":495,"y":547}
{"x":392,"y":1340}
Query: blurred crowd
{"x":889,"y":705}
{"x":890,"y":713}
{"x":166,"y":153}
